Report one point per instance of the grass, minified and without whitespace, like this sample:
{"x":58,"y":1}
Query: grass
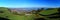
{"x":47,"y":12}
{"x":12,"y":16}
{"x":16,"y":17}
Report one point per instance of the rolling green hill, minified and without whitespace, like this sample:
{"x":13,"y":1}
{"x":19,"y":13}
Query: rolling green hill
{"x":47,"y":12}
{"x":11,"y":16}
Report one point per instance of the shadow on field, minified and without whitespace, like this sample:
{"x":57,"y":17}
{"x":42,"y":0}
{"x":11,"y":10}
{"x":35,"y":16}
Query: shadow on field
{"x":51,"y":16}
{"x":39,"y":19}
{"x":1,"y":18}
{"x":57,"y":14}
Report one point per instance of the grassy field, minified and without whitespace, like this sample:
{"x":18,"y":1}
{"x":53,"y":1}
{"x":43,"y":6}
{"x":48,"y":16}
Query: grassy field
{"x":16,"y":17}
{"x":11,"y":16}
{"x":47,"y":12}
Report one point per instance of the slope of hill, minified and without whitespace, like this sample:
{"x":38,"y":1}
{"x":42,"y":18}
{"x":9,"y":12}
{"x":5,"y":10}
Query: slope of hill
{"x":11,"y":16}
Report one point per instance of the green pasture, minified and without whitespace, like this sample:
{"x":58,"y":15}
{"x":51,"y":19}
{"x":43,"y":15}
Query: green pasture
{"x":12,"y":16}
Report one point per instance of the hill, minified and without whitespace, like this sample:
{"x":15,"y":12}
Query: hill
{"x":12,"y":16}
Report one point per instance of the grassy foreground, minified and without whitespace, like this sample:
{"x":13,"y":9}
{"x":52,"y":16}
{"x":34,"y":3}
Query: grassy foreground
{"x":12,"y":16}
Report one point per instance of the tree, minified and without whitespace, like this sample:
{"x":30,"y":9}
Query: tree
{"x":59,"y":10}
{"x":1,"y":12}
{"x":37,"y":12}
{"x":9,"y":10}
{"x":50,"y":9}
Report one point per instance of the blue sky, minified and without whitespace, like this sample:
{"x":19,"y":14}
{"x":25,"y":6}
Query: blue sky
{"x":29,"y":3}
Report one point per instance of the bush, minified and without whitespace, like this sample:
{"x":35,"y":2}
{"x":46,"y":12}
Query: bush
{"x":1,"y":12}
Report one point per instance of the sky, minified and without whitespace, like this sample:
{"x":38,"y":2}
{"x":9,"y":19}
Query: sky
{"x":29,"y":3}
